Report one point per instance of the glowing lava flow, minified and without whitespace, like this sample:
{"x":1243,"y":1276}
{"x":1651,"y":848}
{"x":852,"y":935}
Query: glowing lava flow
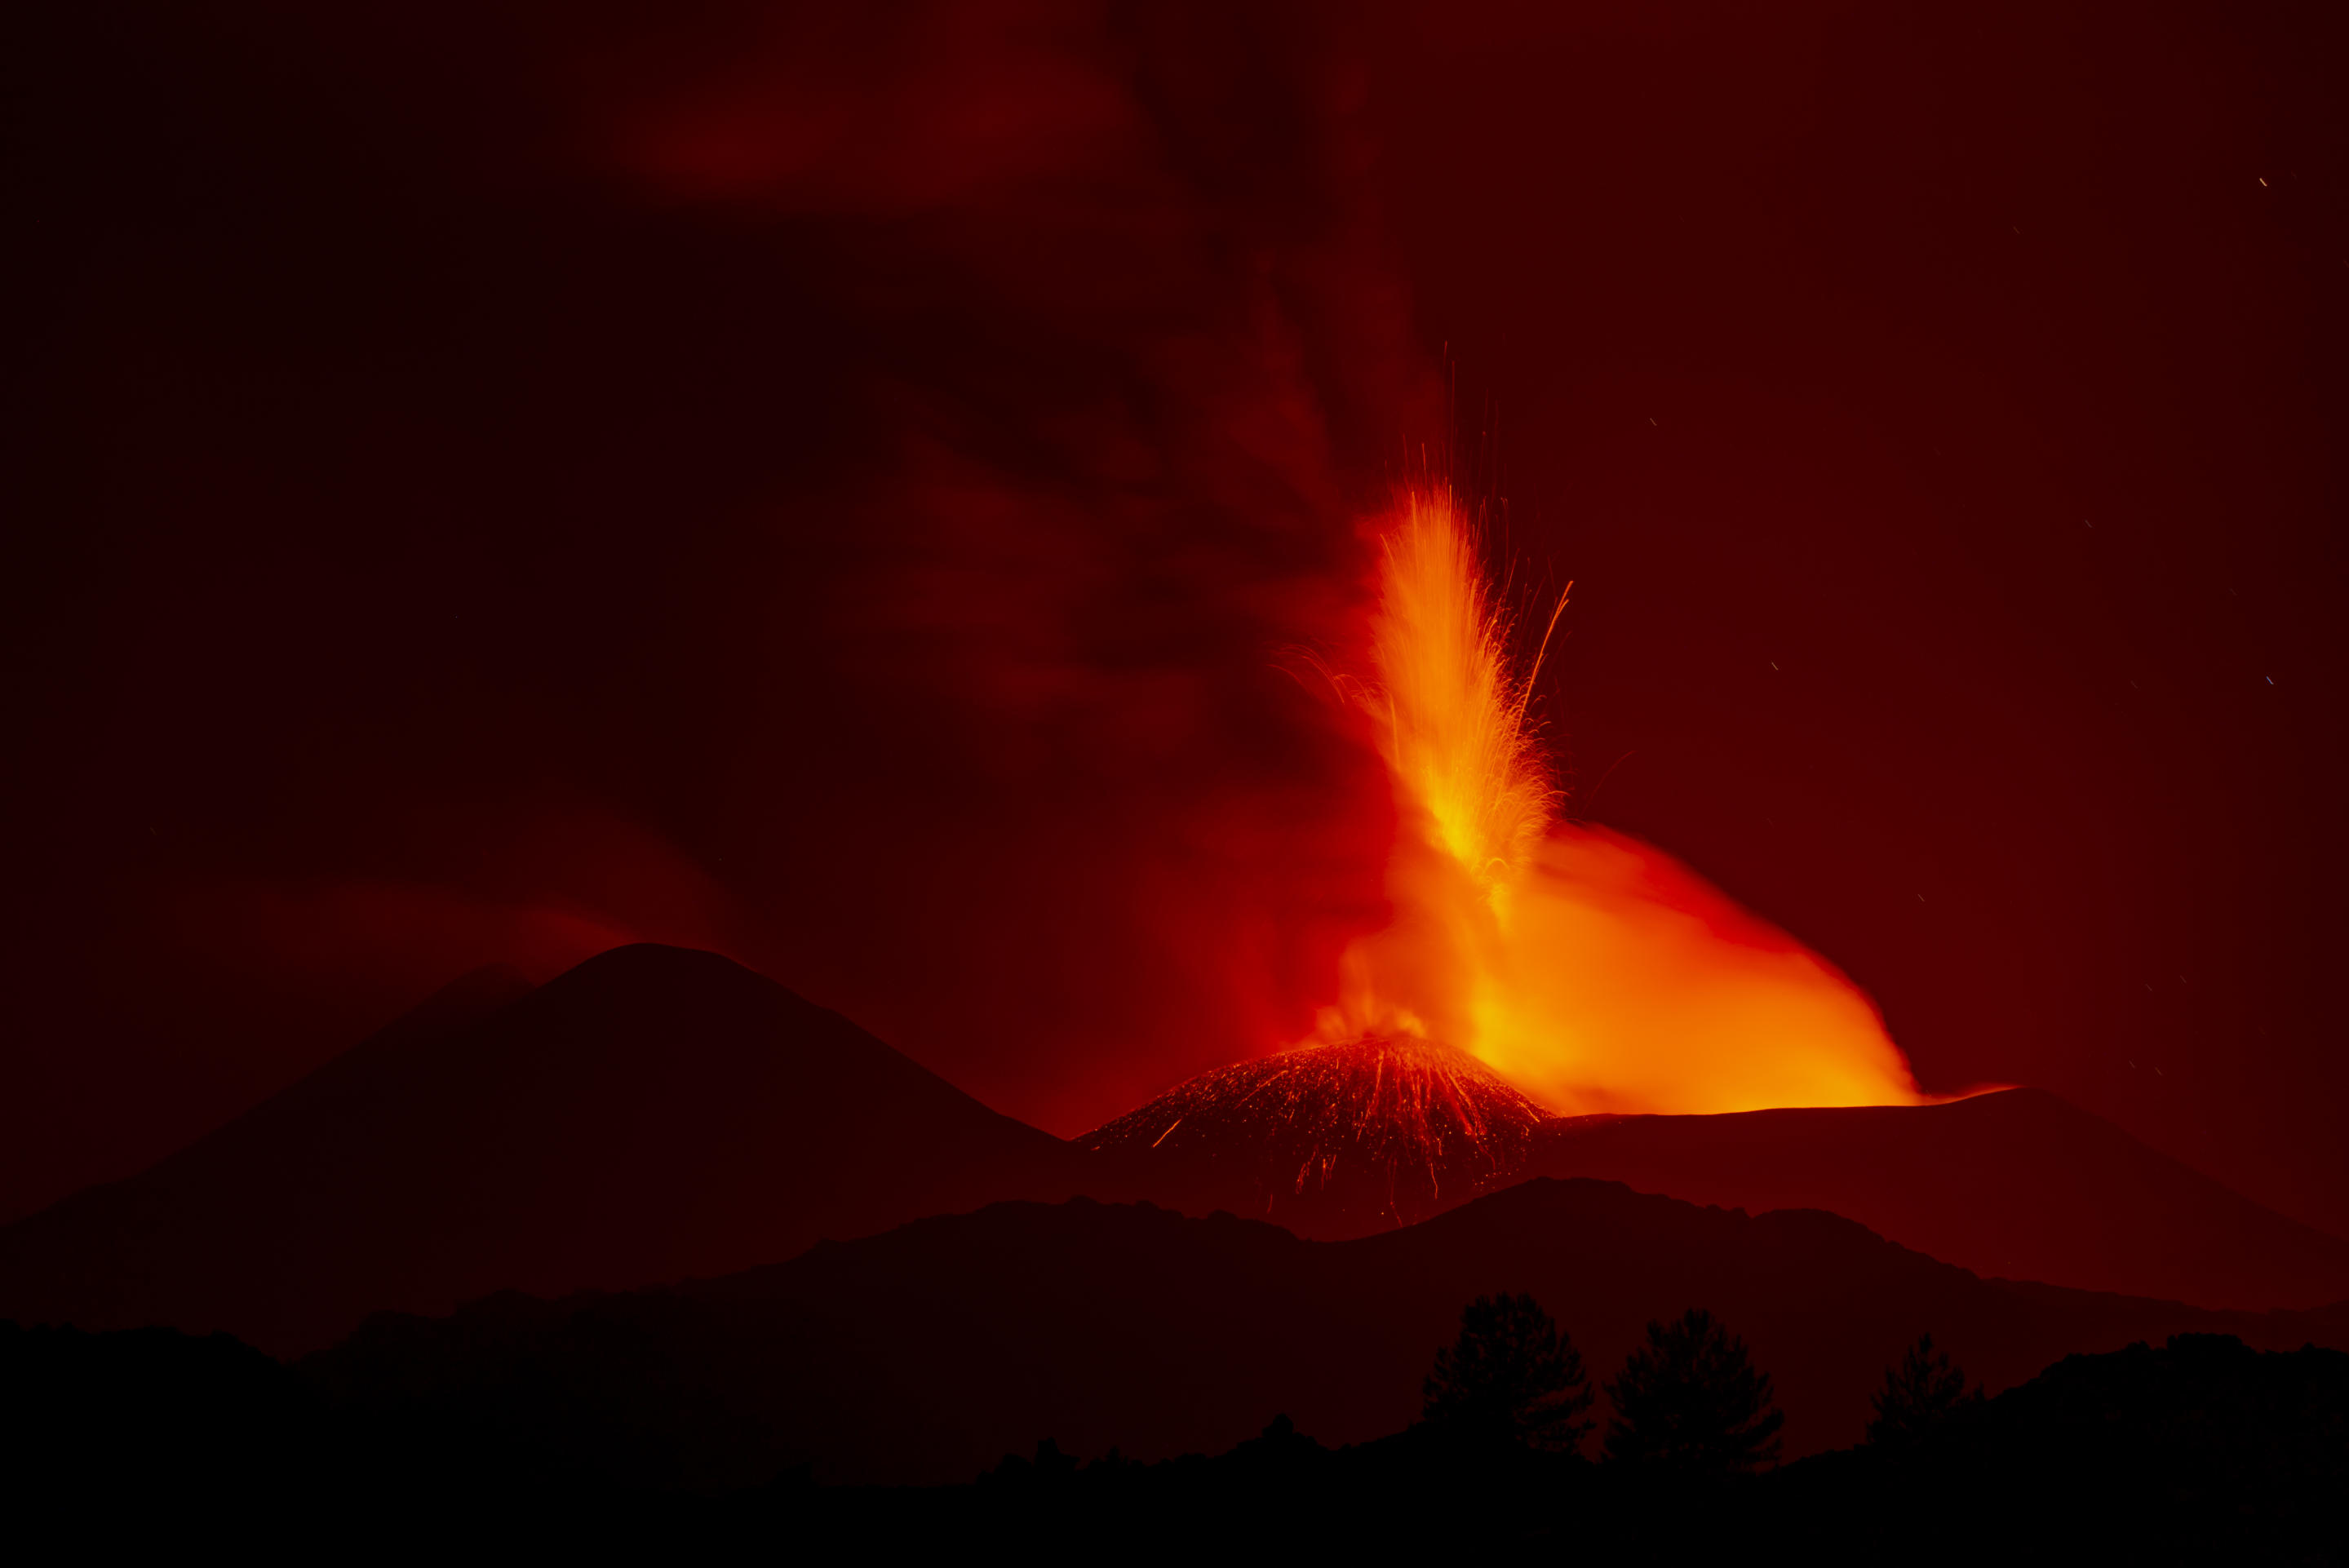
{"x":1594,"y":972}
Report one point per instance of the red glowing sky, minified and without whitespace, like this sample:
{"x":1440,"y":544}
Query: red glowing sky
{"x":837,"y":485}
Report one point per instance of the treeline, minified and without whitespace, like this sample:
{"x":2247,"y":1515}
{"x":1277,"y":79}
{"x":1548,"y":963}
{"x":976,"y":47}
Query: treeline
{"x":2200,"y":1447}
{"x":1689,"y":1401}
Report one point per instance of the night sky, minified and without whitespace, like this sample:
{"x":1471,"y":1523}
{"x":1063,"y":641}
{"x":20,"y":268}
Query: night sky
{"x":856,"y":488}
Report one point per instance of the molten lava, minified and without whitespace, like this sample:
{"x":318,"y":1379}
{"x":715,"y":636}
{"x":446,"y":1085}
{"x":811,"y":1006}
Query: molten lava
{"x":1592,"y":970}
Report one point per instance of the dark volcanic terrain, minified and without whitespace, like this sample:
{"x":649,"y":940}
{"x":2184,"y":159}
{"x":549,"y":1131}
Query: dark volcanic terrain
{"x":1334,"y":1141}
{"x":926,"y":1354}
{"x":2018,"y":1183}
{"x":658,"y":1114}
{"x":1328,"y":1141}
{"x":652,"y":1114}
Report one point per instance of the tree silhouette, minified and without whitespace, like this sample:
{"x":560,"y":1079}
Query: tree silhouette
{"x":1690,"y":1400}
{"x":1918,"y":1396}
{"x":1512,"y":1376}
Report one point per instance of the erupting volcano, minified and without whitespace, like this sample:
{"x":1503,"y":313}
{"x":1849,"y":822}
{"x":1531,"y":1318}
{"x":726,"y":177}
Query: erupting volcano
{"x":1333,"y":1139}
{"x":1529,"y":962}
{"x":1590,"y":970}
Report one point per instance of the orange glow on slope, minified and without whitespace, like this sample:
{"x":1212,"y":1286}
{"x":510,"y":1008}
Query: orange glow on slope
{"x":1595,"y":972}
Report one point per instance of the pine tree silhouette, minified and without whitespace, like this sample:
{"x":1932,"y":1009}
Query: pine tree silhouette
{"x":1918,"y":1396}
{"x":1691,"y":1401}
{"x":1512,"y":1376}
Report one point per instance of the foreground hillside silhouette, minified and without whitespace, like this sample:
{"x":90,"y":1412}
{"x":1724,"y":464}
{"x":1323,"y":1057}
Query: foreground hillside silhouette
{"x":2201,"y":1447}
{"x":921,"y":1355}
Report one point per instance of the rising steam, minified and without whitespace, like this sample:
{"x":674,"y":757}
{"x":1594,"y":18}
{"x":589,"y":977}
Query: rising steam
{"x":1593,"y":971}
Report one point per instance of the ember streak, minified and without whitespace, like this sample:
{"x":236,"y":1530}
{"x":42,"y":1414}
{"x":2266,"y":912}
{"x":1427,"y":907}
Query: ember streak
{"x":1373,"y":1132}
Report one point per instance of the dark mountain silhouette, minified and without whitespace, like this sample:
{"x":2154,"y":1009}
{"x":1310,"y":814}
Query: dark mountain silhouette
{"x":2018,"y":1183}
{"x":924,"y":1354}
{"x":658,"y":1113}
{"x":139,"y":1437}
{"x":1328,"y":1141}
{"x":653,"y":1114}
{"x":1346,"y":1140}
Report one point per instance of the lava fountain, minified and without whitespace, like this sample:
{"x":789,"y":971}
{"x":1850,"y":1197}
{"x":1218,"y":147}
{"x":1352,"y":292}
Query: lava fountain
{"x":1532,"y":965}
{"x":1593,"y":972}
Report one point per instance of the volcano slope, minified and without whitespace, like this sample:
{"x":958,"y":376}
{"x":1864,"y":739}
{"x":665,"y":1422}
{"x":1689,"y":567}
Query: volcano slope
{"x":652,"y":1114}
{"x":926,"y":1354}
{"x":1328,"y":1141}
{"x":1335,"y":1141}
{"x":2017,"y":1183}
